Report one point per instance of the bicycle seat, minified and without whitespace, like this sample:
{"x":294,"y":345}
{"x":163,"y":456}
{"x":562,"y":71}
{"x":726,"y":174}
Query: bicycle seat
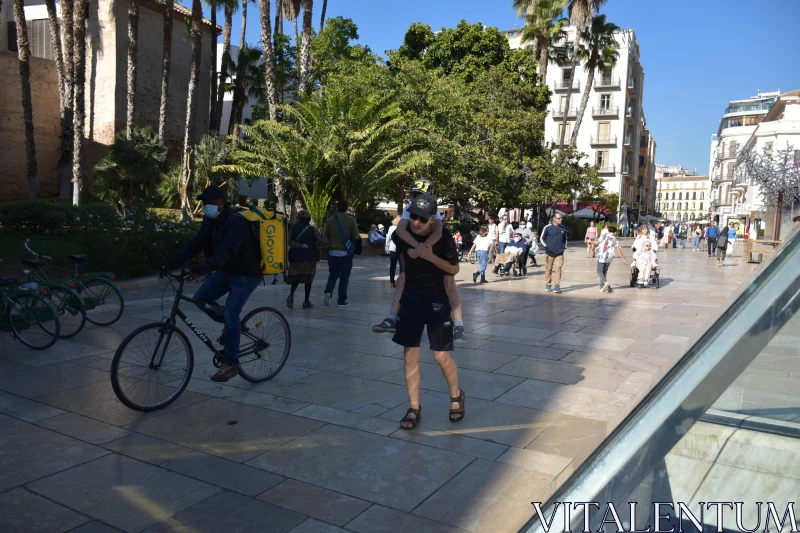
{"x":34,"y":263}
{"x":78,"y":257}
{"x":5,"y":282}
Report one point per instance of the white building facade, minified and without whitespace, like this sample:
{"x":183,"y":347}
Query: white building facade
{"x":737,"y":125}
{"x":613,"y":122}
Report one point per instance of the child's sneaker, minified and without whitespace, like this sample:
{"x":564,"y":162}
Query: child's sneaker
{"x":389,"y":325}
{"x":458,"y":335}
{"x":547,"y":288}
{"x":557,"y":289}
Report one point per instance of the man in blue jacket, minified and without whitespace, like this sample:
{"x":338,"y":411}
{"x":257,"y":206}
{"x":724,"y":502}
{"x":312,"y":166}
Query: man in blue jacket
{"x":711,"y":236}
{"x":232,"y":264}
{"x":554,"y":242}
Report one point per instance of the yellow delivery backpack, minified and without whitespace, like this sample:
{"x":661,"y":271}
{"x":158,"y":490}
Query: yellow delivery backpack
{"x":271,"y":232}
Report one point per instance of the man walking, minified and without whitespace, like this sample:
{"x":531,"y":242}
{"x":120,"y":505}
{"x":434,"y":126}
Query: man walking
{"x":342,"y":231}
{"x":503,"y":234}
{"x":493,"y":238}
{"x":711,"y":236}
{"x":554,"y":241}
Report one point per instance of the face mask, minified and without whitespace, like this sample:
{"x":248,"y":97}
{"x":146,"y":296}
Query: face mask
{"x":517,"y":239}
{"x":211,"y":211}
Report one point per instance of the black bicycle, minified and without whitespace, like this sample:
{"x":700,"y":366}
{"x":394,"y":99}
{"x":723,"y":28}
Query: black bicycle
{"x":154,"y":363}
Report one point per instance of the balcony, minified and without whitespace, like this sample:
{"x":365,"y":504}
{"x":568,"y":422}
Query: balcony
{"x":626,"y":170}
{"x":559,"y":113}
{"x":627,"y":140}
{"x":761,"y":106}
{"x":556,"y":141}
{"x":629,"y":113}
{"x":605,"y":111}
{"x":564,"y":85}
{"x":611,"y":169}
{"x":606,"y":82}
{"x":608,"y":140}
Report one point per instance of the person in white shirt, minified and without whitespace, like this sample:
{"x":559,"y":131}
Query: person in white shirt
{"x":493,"y":237}
{"x":391,"y":250}
{"x":504,"y":230}
{"x":605,"y":248}
{"x":644,"y":236}
{"x":481,"y":245}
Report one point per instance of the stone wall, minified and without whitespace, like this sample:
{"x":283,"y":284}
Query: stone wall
{"x":46,"y":127}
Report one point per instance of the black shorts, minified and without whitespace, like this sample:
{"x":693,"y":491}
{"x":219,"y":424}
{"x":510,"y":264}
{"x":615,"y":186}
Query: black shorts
{"x":416,"y":314}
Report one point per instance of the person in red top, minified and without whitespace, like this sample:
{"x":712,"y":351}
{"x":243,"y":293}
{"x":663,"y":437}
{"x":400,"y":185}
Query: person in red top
{"x":459,"y":242}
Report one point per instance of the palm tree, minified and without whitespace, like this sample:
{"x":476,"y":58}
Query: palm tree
{"x":278,"y":17}
{"x":305,"y":48}
{"x":24,"y":53}
{"x":55,"y":36}
{"x":247,"y":80}
{"x":133,"y":46}
{"x":213,"y":122}
{"x":599,"y":51}
{"x":291,"y":10}
{"x":191,"y":106}
{"x":244,"y":21}
{"x":64,"y":88}
{"x":544,"y":26}
{"x":230,"y":7}
{"x":79,"y":78}
{"x":270,"y":77}
{"x":581,"y":13}
{"x":322,"y":15}
{"x":166,"y":65}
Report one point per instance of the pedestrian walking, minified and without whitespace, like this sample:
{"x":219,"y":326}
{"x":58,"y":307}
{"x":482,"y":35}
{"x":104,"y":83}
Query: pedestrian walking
{"x":305,"y":242}
{"x":731,"y":239}
{"x":606,"y":246}
{"x":504,"y":230}
{"x":342,"y":232}
{"x":698,"y":233}
{"x":391,"y":249}
{"x":554,"y":241}
{"x":481,"y":245}
{"x":722,"y":247}
{"x":425,"y":306}
{"x":711,"y":237}
{"x":591,"y":236}
{"x":682,"y":236}
{"x":493,"y":236}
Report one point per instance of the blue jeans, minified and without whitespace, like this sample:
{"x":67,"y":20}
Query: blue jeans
{"x":394,"y":259}
{"x":695,"y":242}
{"x":339,"y":269}
{"x":238,"y":289}
{"x":501,"y":247}
{"x":483,"y":259}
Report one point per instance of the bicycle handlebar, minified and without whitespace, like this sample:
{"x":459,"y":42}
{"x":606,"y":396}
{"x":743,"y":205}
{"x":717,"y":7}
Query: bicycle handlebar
{"x":45,"y":257}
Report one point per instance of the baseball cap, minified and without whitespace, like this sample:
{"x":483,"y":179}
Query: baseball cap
{"x":422,"y":185}
{"x":424,"y":206}
{"x":212,"y":192}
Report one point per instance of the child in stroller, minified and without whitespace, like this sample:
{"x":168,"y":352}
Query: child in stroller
{"x":644,"y":268}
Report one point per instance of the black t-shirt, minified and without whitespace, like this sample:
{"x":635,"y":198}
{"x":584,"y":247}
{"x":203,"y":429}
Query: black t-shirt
{"x":423,"y":278}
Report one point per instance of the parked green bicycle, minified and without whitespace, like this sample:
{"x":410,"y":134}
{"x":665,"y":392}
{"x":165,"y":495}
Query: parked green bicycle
{"x":102,"y":300}
{"x":27,"y":314}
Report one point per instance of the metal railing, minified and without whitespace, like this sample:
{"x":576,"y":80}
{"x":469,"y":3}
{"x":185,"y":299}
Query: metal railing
{"x":557,"y":140}
{"x":559,"y":113}
{"x":605,"y":111}
{"x":607,"y":81}
{"x":607,"y":139}
{"x":627,"y":139}
{"x":629,"y":112}
{"x":632,"y":83}
{"x":565,"y":84}
{"x":626,"y":170}
{"x":761,"y":106}
{"x":607,"y":170}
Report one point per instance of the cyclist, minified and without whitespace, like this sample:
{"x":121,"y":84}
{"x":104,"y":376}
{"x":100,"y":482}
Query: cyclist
{"x":232,"y":259}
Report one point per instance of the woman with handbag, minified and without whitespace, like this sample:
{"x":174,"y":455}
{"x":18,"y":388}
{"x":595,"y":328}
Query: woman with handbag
{"x":305,"y":242}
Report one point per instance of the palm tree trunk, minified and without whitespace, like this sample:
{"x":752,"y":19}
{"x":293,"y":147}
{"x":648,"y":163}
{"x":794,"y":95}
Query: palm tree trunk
{"x":278,"y":17}
{"x":55,"y":36}
{"x":544,"y":59}
{"x":223,"y":74}
{"x":191,"y":107}
{"x":575,"y":59}
{"x":213,"y":122}
{"x":24,"y":53}
{"x":166,"y":64}
{"x":585,"y":100}
{"x":237,"y":121}
{"x":244,"y":22}
{"x":305,"y":48}
{"x":79,"y":76}
{"x":296,"y":34}
{"x":322,"y":15}
{"x":269,"y":60}
{"x":133,"y":46}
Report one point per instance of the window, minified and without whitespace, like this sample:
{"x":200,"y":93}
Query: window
{"x":702,"y":197}
{"x":659,"y":197}
{"x":694,"y":196}
{"x":679,"y":206}
{"x":604,"y":131}
{"x":602,"y":158}
{"x":680,"y":196}
{"x":641,"y":160}
{"x":566,"y":135}
{"x":673,"y":195}
{"x":566,"y":74}
{"x":752,"y":120}
{"x":562,"y":105}
{"x":38,"y":36}
{"x":732,"y":149}
{"x":701,"y":206}
{"x":730,"y":170}
{"x":692,"y":206}
{"x":605,"y":102}
{"x":607,"y":72}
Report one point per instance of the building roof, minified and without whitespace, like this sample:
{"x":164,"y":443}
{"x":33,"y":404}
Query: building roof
{"x":683,"y":178}
{"x":183,"y":10}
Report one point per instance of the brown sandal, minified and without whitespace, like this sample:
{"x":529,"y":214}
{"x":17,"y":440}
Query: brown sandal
{"x":413,"y":421}
{"x":459,"y":413}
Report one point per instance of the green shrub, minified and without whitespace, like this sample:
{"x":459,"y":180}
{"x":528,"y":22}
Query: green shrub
{"x":53,"y":218}
{"x":576,"y":227}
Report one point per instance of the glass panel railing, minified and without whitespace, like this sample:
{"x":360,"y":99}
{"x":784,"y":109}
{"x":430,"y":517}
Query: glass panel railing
{"x":719,"y":426}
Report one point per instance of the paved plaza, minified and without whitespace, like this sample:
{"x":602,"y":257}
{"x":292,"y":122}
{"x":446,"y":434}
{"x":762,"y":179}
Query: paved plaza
{"x":318,"y":449}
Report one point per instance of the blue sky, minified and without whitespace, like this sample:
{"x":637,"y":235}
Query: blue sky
{"x":697,"y":54}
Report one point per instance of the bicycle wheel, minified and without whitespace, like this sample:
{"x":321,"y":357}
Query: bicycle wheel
{"x":103,"y":300}
{"x":266,"y":342}
{"x":473,"y":258}
{"x":152,"y":367}
{"x":71,"y":312}
{"x":33,"y":320}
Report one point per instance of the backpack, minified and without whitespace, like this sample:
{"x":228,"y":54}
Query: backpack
{"x":270,"y":230}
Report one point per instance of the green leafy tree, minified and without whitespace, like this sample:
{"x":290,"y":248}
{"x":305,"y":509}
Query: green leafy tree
{"x":131,"y":170}
{"x":466,"y":50}
{"x":247,"y":81}
{"x":332,"y":50}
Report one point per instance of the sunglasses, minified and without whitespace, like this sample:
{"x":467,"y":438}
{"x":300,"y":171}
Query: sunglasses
{"x":421,"y":219}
